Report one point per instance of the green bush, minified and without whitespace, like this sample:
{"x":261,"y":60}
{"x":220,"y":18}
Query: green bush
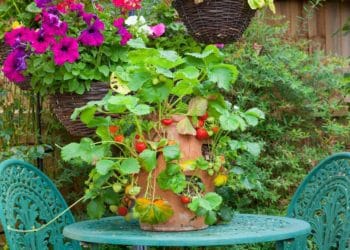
{"x":300,"y":93}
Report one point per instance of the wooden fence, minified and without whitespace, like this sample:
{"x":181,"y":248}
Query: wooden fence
{"x":322,"y":28}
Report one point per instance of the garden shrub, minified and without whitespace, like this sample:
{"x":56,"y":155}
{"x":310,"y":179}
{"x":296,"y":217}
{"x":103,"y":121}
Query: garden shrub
{"x":300,"y":93}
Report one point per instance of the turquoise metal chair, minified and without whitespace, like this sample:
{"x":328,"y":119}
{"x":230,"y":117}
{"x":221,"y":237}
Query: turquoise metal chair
{"x":29,"y":200}
{"x":323,"y":199}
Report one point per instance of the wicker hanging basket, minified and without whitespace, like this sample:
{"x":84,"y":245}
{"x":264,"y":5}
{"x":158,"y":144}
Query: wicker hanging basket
{"x":64,"y":104}
{"x":215,"y":21}
{"x":4,"y":51}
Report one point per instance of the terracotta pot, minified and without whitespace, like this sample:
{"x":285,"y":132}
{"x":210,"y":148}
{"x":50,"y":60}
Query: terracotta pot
{"x":183,"y":219}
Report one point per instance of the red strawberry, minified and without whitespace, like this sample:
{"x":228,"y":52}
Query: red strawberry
{"x":202,"y":134}
{"x":204,"y":117}
{"x":167,"y":122}
{"x":122,"y":211}
{"x":119,"y":138}
{"x":200,"y":123}
{"x":113,"y":129}
{"x":140,"y":147}
{"x":185,"y":199}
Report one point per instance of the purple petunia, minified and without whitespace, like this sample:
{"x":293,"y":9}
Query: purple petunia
{"x":52,"y":25}
{"x":14,"y":64}
{"x":42,"y":3}
{"x":66,"y":50}
{"x":92,"y":36}
{"x":158,"y":30}
{"x":40,"y":41}
{"x":17,"y":36}
{"x":122,"y":31}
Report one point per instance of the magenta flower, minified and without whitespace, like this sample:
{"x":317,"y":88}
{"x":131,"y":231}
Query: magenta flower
{"x":14,"y":65}
{"x":78,"y":7}
{"x":118,"y":22}
{"x":52,"y":25}
{"x":40,"y":41}
{"x":17,"y":36}
{"x":158,"y":30}
{"x":66,"y":50}
{"x":92,"y":36}
{"x":42,"y":3}
{"x":220,"y":45}
{"x":122,"y":31}
{"x":125,"y":34}
{"x":87,"y":17}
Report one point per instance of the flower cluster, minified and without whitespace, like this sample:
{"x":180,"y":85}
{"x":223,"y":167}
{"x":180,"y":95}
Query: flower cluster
{"x":55,"y":35}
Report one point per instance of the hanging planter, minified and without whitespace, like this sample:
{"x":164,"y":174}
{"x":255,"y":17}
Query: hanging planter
{"x":215,"y":21}
{"x":64,"y":104}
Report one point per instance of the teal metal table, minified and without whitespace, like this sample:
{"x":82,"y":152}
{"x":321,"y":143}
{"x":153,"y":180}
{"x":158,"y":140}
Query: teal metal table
{"x":243,"y":229}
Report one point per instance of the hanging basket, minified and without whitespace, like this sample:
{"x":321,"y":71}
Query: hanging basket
{"x":4,"y":51}
{"x":64,"y":104}
{"x":215,"y":21}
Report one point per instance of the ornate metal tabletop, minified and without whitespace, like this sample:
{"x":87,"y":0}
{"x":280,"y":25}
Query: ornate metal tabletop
{"x":244,"y":228}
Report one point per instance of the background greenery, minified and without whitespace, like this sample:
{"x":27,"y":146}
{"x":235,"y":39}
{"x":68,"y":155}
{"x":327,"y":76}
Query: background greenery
{"x":301,"y":94}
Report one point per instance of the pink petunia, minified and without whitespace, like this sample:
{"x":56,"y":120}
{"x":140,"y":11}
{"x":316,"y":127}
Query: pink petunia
{"x":52,"y":25}
{"x":41,"y":41}
{"x":17,"y":36}
{"x":14,"y":65}
{"x":158,"y":30}
{"x":66,"y":50}
{"x":92,"y":36}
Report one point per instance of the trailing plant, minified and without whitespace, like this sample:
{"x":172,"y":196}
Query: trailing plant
{"x":159,"y":88}
{"x":76,"y":44}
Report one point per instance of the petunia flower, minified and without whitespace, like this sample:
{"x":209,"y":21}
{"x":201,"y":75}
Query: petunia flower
{"x":17,"y":36}
{"x":220,"y":45}
{"x":127,"y":5}
{"x":14,"y":65}
{"x":41,"y":41}
{"x":88,"y":17}
{"x":118,"y":22}
{"x":66,"y":50}
{"x":52,"y":25}
{"x":158,"y":30}
{"x":92,"y":36}
{"x":43,"y":3}
{"x":78,"y":7}
{"x":122,"y":31}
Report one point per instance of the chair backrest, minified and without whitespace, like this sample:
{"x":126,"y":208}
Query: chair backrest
{"x":29,"y":199}
{"x":323,"y":199}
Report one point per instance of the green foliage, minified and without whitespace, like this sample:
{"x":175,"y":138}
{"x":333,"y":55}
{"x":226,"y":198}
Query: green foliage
{"x":300,"y":94}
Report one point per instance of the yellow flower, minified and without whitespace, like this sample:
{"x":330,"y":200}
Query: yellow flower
{"x":220,"y":180}
{"x":16,"y":25}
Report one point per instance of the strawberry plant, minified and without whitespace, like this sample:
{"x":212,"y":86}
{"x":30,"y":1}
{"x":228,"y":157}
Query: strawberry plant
{"x":160,"y":90}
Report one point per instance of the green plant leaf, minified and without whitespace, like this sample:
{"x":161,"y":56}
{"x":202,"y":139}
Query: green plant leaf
{"x":255,"y":112}
{"x":153,"y":212}
{"x":224,"y":75}
{"x":185,"y":127}
{"x":229,"y":122}
{"x":32,"y":8}
{"x":136,"y":43}
{"x":253,"y":148}
{"x":148,"y":159}
{"x":198,"y":106}
{"x":190,"y":72}
{"x":140,"y":109}
{"x":104,"y":166}
{"x":171,"y":152}
{"x":129,"y":166}
{"x":87,"y":114}
{"x":214,"y":200}
{"x":175,"y":183}
{"x":104,"y":70}
{"x":184,"y":87}
{"x":210,"y":218}
{"x":138,"y":78}
{"x":95,"y":209}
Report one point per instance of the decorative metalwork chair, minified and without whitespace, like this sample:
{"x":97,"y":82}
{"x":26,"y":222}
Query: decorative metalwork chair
{"x":29,"y":205}
{"x":323,"y":199}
